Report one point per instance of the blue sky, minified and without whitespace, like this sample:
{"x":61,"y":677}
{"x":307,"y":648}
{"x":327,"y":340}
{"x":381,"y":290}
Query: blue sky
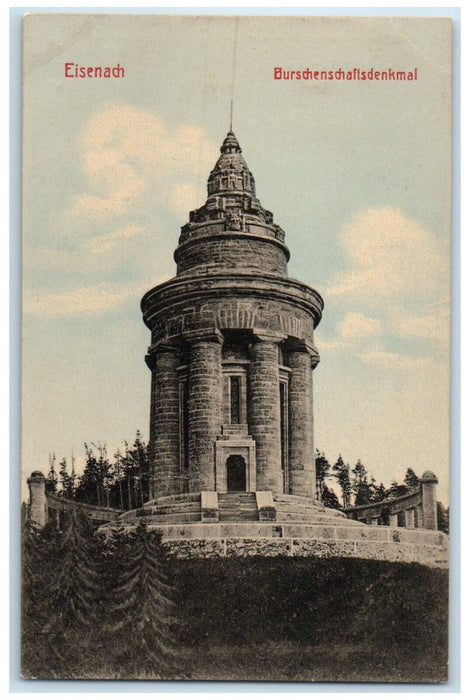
{"x":356,"y":173}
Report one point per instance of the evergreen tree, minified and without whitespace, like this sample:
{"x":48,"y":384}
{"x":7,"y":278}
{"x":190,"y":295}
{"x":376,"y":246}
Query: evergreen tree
{"x":360,"y":486}
{"x":38,"y":568}
{"x":411,"y":479}
{"x":378,"y":493}
{"x":76,"y":593}
{"x":442,"y":518}
{"x":94,"y":483}
{"x":322,"y":469}
{"x":66,"y":480}
{"x":396,"y":490}
{"x":342,"y":476}
{"x":140,"y":605}
{"x":51,"y":479}
{"x":330,"y":499}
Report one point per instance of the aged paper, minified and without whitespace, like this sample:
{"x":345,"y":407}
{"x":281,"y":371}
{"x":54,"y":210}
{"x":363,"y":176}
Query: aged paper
{"x":345,"y":125}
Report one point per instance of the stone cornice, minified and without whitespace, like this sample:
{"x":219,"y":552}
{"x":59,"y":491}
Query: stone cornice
{"x":233,"y":285}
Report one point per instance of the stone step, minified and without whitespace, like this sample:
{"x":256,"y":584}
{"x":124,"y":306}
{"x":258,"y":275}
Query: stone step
{"x":237,"y":506}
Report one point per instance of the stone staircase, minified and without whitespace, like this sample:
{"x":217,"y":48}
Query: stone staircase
{"x":237,"y":506}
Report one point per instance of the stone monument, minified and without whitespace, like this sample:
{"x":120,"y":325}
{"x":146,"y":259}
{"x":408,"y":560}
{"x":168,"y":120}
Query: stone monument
{"x":232,"y":351}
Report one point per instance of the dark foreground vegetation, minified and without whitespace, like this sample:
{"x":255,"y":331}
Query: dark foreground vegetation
{"x":121,"y":609}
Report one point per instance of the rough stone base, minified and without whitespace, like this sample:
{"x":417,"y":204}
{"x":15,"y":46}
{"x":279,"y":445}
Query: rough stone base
{"x":341,"y":539}
{"x":298,"y":527}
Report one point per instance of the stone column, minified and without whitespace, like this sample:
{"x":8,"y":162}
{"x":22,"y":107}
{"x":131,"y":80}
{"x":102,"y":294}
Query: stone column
{"x":37,"y":499}
{"x":301,"y":459}
{"x":393,"y":519}
{"x":164,"y":422}
{"x":428,"y":491}
{"x":264,"y":421}
{"x":410,"y":518}
{"x":205,"y":409}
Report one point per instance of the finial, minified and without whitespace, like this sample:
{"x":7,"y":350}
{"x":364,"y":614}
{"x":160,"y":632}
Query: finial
{"x":231,"y":114}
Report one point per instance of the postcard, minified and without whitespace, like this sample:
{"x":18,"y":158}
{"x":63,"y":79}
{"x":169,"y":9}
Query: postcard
{"x":236,"y":347}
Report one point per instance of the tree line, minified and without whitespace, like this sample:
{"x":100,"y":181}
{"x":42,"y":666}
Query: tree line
{"x":357,"y":488}
{"x":118,"y":482}
{"x":123,"y":481}
{"x":355,"y":485}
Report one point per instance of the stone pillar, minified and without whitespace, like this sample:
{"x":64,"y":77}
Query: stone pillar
{"x":393,"y":519}
{"x":301,"y":459}
{"x":37,"y":499}
{"x":410,"y":518}
{"x":164,"y":422}
{"x":428,"y":492}
{"x":264,"y":421}
{"x":419,"y":516}
{"x":205,"y":409}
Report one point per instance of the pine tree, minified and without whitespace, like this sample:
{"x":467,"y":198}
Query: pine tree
{"x":322,"y":469}
{"x":51,"y":479}
{"x":360,"y":486}
{"x":139,"y":605}
{"x":396,"y":490}
{"x":94,"y":483}
{"x":378,"y":493}
{"x":76,"y":591}
{"x":330,"y":499}
{"x":66,"y":480}
{"x":342,"y":476}
{"x":442,"y":518}
{"x":411,"y":479}
{"x":38,"y":567}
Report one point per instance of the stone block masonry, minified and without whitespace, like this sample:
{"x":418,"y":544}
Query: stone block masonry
{"x":205,"y":405}
{"x":264,"y":414}
{"x":164,"y":420}
{"x":231,"y":293}
{"x":301,"y":458}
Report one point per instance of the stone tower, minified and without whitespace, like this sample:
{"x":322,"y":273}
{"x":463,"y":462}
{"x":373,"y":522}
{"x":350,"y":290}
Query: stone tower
{"x":232,"y":351}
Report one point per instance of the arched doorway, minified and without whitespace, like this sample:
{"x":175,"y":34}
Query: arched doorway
{"x":236,"y":473}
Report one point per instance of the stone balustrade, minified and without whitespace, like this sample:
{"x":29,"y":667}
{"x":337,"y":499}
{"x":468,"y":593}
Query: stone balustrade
{"x":417,"y":509}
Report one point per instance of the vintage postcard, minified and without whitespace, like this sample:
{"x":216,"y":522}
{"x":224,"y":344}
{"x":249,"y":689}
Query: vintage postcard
{"x":235,"y":347}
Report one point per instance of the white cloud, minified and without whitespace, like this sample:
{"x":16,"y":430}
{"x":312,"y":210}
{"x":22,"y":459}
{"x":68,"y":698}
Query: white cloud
{"x":389,"y":257}
{"x":392,"y":360}
{"x":186,"y":197}
{"x":434,"y":326}
{"x":107,"y":241}
{"x":356,"y":325}
{"x":126,"y":153}
{"x":94,"y":299}
{"x":398,"y":272}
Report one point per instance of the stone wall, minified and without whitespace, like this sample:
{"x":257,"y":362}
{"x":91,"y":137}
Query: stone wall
{"x":228,"y":251}
{"x":262,"y":539}
{"x":417,"y":509}
{"x":233,"y":303}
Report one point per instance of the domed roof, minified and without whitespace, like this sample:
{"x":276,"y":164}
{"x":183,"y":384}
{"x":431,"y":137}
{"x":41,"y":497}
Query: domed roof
{"x":429,"y":476}
{"x":37,"y":475}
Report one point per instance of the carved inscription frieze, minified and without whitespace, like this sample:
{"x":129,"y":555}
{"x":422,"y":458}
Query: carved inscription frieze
{"x":235,"y":314}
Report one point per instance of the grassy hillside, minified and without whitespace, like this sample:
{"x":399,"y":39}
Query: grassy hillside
{"x":312,"y":619}
{"x":279,"y":618}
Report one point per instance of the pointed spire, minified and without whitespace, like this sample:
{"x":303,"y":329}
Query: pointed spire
{"x":230,"y":144}
{"x":231,"y":197}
